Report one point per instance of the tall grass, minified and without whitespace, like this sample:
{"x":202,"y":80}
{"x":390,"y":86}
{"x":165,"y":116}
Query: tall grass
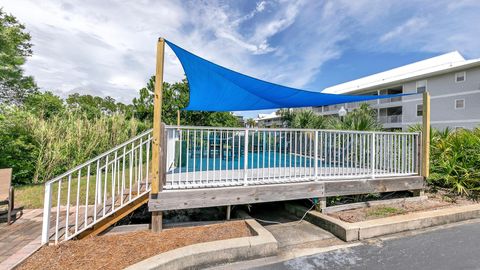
{"x":60,"y":142}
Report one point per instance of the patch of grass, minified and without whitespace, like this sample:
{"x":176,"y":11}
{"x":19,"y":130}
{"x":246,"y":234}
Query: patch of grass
{"x":384,"y":211}
{"x":31,"y":196}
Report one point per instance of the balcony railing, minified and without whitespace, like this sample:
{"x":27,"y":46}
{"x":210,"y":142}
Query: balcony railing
{"x":389,"y":100}
{"x":390,"y":119}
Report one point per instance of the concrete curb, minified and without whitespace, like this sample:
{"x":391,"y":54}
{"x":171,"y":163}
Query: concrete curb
{"x":350,"y":206}
{"x":199,"y":255}
{"x":389,"y":225}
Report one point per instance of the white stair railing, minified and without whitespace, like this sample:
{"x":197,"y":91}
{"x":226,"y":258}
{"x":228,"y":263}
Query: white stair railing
{"x":91,"y":192}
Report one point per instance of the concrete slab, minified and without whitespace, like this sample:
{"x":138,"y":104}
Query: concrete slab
{"x":297,"y":233}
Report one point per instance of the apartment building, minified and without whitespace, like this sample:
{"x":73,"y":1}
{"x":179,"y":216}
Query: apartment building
{"x":452,"y":81}
{"x":270,"y":120}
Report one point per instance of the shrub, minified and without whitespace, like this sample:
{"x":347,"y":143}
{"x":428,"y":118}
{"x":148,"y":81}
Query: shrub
{"x":38,"y":148}
{"x":455,"y":160}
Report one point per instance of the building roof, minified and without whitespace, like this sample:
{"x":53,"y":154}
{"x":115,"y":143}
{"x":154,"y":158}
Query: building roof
{"x":266,"y":116}
{"x":436,"y":65}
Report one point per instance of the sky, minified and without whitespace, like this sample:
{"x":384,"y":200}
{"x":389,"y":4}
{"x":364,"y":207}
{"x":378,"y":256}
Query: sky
{"x":107,"y":47}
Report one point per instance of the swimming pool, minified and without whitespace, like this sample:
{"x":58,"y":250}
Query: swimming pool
{"x":234,"y":162}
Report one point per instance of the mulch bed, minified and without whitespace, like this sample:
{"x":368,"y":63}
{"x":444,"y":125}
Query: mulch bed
{"x":121,"y":250}
{"x":435,"y":201}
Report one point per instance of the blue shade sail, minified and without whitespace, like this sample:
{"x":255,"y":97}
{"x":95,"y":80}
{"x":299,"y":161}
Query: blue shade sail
{"x":215,"y":88}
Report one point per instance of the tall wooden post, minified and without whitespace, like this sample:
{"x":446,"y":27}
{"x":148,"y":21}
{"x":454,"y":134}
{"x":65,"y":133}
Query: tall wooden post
{"x":426,"y":135}
{"x":158,"y":170}
{"x":178,"y":118}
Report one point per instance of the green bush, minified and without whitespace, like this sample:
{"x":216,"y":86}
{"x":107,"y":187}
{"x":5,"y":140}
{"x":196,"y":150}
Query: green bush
{"x":455,"y":160}
{"x":38,"y":148}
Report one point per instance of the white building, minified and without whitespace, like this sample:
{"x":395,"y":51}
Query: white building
{"x":452,"y":81}
{"x":270,"y":120}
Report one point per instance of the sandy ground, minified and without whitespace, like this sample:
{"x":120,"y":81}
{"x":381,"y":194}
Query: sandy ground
{"x":435,"y":201}
{"x":121,"y":250}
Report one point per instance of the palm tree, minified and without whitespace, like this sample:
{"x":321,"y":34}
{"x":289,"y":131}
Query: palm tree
{"x":307,"y":119}
{"x":361,"y":118}
{"x":251,"y":123}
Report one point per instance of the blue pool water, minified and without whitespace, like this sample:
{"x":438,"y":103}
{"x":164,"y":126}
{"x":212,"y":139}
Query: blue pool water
{"x":254,"y":160}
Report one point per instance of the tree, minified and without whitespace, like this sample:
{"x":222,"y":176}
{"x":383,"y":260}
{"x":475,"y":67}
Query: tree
{"x":251,"y":123}
{"x":307,"y":119}
{"x":361,"y":118}
{"x":175,"y":97}
{"x":44,"y":104}
{"x":15,"y":47}
{"x":94,"y":107}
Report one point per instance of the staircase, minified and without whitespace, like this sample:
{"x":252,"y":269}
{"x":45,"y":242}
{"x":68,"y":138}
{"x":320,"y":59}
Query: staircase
{"x":91,"y":197}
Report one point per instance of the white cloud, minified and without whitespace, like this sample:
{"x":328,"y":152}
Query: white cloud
{"x":410,"y":27}
{"x":108,"y":47}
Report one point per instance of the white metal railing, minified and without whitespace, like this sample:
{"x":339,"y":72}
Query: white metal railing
{"x":390,"y":119}
{"x":83,"y":196}
{"x":390,"y":100}
{"x":213,"y":157}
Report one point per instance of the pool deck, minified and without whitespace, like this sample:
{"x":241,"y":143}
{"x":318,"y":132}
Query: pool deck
{"x":197,"y":197}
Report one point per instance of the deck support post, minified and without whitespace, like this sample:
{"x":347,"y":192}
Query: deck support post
{"x":229,"y":211}
{"x":158,"y":168}
{"x":321,"y":204}
{"x":426,"y":135}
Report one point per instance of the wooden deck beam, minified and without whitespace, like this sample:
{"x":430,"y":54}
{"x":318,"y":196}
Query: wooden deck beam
{"x":210,"y":197}
{"x":377,"y":185}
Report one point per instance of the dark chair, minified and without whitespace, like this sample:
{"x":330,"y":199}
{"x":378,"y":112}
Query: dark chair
{"x":6,"y":191}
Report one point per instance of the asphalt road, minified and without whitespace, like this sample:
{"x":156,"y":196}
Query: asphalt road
{"x":450,"y":248}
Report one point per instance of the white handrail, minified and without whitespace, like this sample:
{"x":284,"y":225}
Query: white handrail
{"x":287,"y":129}
{"x":114,"y":186}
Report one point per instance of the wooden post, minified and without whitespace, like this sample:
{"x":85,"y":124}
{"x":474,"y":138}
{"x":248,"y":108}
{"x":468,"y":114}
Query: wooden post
{"x":178,"y":118}
{"x":426,"y":135}
{"x":321,"y":204}
{"x":158,"y":170}
{"x":229,"y":211}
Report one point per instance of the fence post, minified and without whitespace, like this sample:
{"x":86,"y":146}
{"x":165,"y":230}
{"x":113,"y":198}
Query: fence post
{"x":245,"y":158}
{"x":316,"y":155}
{"x":426,"y":135}
{"x":372,"y":162}
{"x":47,"y":210}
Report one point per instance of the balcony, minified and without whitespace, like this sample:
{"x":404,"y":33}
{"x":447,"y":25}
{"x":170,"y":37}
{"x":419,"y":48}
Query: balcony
{"x":390,"y":119}
{"x":389,"y":100}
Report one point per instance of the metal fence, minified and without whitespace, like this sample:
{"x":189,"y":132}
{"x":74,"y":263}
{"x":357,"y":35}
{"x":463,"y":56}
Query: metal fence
{"x":212,"y":157}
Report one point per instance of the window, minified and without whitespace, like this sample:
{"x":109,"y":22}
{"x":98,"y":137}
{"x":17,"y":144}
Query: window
{"x":419,"y":110}
{"x":421,"y":86}
{"x":460,"y":76}
{"x":459,"y":103}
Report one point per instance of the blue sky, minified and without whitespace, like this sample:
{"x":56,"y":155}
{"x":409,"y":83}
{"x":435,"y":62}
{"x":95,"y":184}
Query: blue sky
{"x":108,"y":47}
